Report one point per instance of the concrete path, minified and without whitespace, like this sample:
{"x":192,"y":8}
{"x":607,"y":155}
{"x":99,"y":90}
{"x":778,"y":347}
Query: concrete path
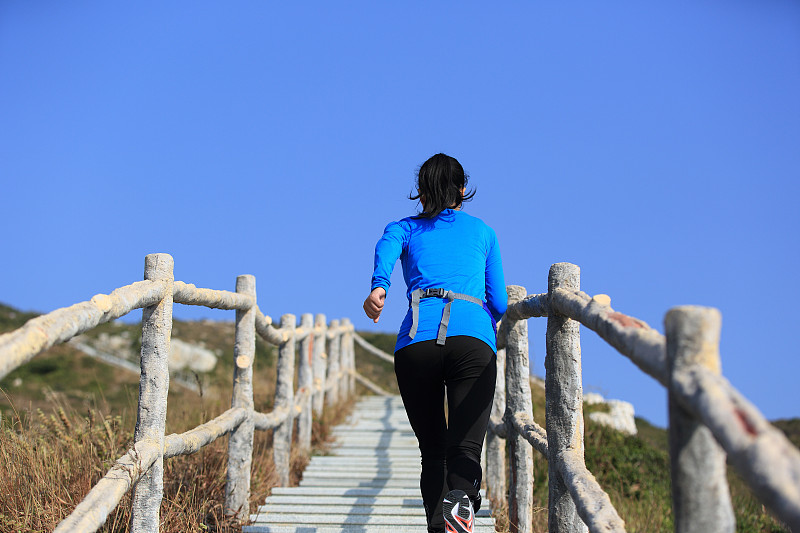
{"x":369,"y":483}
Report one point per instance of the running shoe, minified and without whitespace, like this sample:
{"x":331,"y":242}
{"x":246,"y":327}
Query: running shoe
{"x":458,"y":514}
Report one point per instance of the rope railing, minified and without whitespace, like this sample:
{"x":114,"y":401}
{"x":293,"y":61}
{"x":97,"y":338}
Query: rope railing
{"x":369,"y":384}
{"x":372,"y":349}
{"x":320,"y":383}
{"x":104,"y":497}
{"x":188,"y":294}
{"x":709,"y":419}
{"x":40,"y":333}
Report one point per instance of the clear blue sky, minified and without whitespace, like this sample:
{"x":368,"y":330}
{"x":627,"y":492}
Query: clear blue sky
{"x":655,"y":144}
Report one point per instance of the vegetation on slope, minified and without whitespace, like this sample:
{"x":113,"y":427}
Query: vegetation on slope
{"x":634,"y":471}
{"x":50,"y":458}
{"x":67,"y":417}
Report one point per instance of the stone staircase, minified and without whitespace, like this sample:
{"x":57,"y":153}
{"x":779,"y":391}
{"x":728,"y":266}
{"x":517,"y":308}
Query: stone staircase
{"x":369,"y":483}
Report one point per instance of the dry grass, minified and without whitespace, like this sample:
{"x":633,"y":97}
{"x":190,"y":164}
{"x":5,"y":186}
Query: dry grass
{"x":48,"y":462}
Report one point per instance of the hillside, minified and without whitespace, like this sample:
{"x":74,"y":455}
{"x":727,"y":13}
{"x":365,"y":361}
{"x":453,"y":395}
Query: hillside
{"x":66,"y":375}
{"x":66,"y":417}
{"x":633,"y":470}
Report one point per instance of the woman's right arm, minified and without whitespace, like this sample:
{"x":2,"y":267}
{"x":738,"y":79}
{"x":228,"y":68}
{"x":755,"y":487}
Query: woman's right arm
{"x":387,"y":252}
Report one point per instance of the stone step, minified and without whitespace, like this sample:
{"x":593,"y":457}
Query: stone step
{"x":368,"y":471}
{"x":402,"y":464}
{"x":360,"y":482}
{"x":375,"y":501}
{"x":378,"y":430}
{"x":368,"y":484}
{"x":352,"y":492}
{"x":367,"y":450}
{"x":402,"y":441}
{"x":372,"y":475}
{"x":272,"y":528}
{"x":352,"y":519}
{"x":366,"y":465}
{"x":394,"y":440}
{"x":379,"y":410}
{"x":339,"y":459}
{"x":313,"y":506}
{"x":356,"y":431}
{"x":378,"y":423}
{"x":355,"y":443}
{"x":375,"y":433}
{"x":392,"y":410}
{"x":379,"y":415}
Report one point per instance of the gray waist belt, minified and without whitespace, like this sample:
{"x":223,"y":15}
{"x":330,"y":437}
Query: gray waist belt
{"x":419,"y":294}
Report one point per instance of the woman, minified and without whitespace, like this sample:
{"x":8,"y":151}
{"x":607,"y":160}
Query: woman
{"x":455,"y":287}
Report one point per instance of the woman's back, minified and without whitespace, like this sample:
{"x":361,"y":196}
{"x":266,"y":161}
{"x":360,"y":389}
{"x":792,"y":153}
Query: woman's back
{"x":452,"y":251}
{"x":449,"y":251}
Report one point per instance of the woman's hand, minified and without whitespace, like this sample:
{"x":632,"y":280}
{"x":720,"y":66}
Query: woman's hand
{"x":373,"y":305}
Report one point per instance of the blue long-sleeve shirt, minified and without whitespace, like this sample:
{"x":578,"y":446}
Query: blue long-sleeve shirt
{"x":453,"y":251}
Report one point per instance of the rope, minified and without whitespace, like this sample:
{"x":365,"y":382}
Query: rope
{"x":370,"y":385}
{"x":373,"y":350}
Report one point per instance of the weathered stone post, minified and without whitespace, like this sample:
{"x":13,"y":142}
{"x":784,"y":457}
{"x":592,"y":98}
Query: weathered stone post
{"x":305,"y":382}
{"x":319,"y":364}
{"x":700,"y":495}
{"x":240,"y":442}
{"x":564,"y":401}
{"x":495,"y":446}
{"x":348,"y":361}
{"x":351,"y":359}
{"x":518,"y":398}
{"x":334,"y":361}
{"x":284,"y":397}
{"x":153,"y":389}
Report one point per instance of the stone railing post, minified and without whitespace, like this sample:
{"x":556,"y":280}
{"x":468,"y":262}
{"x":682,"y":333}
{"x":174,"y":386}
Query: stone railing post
{"x":240,"y":442}
{"x":320,"y":359}
{"x":700,"y":495}
{"x":348,"y":362}
{"x":518,"y":398}
{"x":564,"y":401}
{"x":153,"y":389}
{"x":334,"y":361}
{"x":495,"y":446}
{"x":351,"y":347}
{"x":305,"y":381}
{"x":284,"y":397}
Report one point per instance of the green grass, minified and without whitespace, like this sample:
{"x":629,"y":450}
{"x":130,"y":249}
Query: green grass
{"x":635,"y":473}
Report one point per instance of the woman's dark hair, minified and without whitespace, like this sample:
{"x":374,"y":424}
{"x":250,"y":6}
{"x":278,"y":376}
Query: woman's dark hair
{"x":440,"y":180}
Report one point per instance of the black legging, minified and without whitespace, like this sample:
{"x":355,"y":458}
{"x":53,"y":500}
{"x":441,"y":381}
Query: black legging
{"x":451,"y":450}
